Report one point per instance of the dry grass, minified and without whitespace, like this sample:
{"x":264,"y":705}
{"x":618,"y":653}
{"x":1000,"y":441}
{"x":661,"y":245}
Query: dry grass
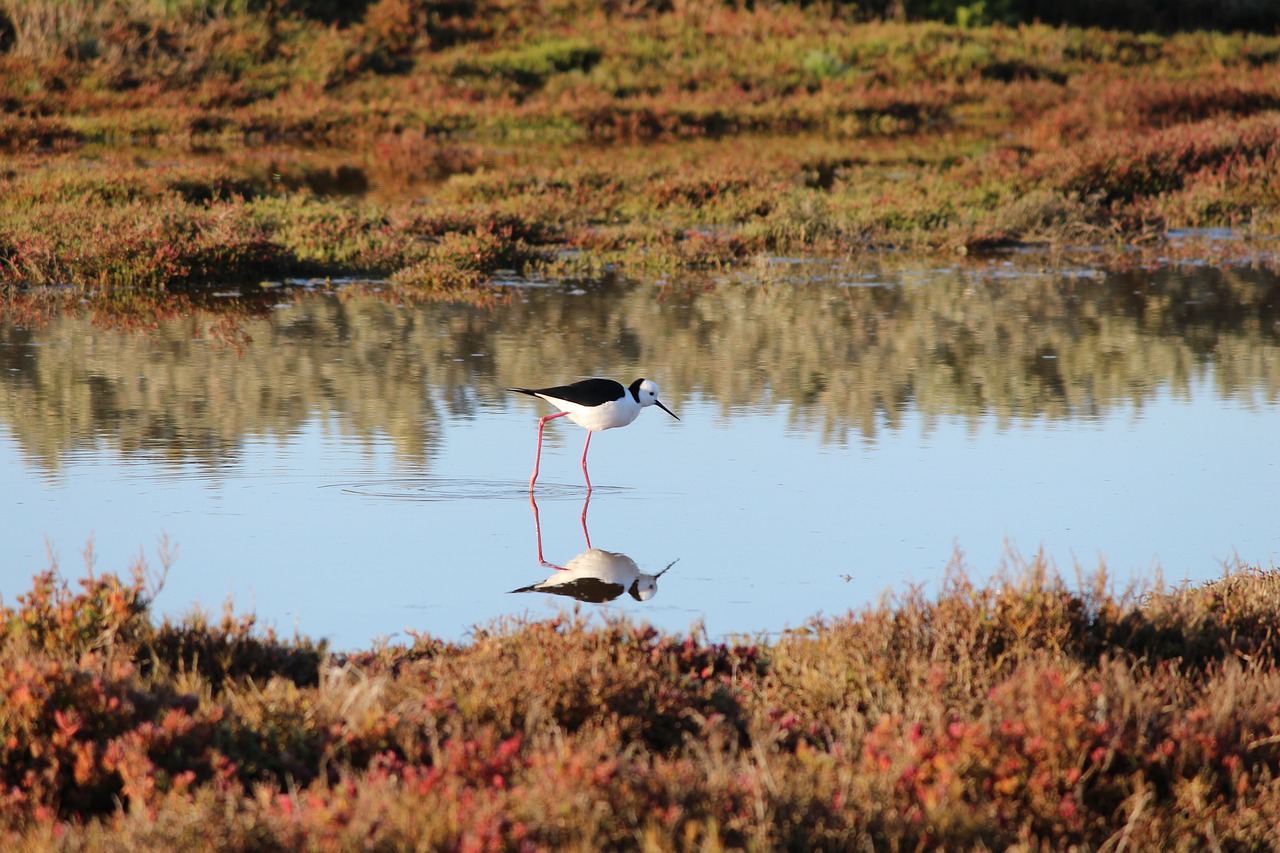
{"x":1027,"y":713}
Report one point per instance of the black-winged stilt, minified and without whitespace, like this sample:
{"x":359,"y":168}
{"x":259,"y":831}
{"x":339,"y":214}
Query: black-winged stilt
{"x":595,"y":575}
{"x":594,"y":404}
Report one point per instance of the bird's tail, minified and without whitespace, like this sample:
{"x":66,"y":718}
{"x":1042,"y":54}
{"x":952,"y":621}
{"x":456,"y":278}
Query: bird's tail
{"x":528,"y":391}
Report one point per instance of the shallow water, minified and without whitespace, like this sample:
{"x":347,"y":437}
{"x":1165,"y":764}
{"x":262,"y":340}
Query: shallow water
{"x":357,"y":469}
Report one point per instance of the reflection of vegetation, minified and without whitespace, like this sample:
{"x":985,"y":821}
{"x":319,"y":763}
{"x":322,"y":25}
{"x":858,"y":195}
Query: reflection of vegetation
{"x":171,"y":392}
{"x":838,"y":358}
{"x":968,"y":344}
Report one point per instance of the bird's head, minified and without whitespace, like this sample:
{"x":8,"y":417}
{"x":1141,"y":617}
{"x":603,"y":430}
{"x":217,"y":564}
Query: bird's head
{"x":646,"y":394}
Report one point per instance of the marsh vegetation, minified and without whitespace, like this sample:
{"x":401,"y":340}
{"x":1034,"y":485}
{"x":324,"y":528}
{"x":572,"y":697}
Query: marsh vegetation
{"x":1018,"y":714}
{"x":166,"y":146}
{"x":173,"y":172}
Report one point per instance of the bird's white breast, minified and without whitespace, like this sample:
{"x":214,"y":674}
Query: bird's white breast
{"x":616,"y":413}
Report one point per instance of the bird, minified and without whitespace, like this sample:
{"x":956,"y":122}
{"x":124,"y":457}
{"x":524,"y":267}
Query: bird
{"x":594,"y":404}
{"x":596,"y":576}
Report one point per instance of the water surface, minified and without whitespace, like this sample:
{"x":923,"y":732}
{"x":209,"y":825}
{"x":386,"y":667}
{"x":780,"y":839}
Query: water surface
{"x":357,"y":468}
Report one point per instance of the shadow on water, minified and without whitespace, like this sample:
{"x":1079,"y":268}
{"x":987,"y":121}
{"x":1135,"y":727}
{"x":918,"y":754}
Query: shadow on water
{"x":595,"y":576}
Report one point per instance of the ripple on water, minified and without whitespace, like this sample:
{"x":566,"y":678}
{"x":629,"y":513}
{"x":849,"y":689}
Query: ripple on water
{"x":444,"y":489}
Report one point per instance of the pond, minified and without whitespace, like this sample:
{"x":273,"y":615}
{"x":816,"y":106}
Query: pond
{"x":355,"y":469}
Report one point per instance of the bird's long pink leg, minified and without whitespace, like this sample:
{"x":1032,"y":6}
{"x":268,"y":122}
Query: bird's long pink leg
{"x":538,"y":459}
{"x":584,"y":465}
{"x":537,"y":530}
{"x":585,"y":534}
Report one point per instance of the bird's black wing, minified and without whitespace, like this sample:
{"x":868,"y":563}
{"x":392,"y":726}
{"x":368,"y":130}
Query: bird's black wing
{"x":590,"y":590}
{"x":588,"y":392}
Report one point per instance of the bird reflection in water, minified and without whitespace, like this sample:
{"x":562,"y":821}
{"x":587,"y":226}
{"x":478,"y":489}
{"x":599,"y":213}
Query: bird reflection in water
{"x":595,"y":575}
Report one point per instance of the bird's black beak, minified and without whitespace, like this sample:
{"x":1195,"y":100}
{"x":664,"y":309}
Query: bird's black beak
{"x":658,"y":403}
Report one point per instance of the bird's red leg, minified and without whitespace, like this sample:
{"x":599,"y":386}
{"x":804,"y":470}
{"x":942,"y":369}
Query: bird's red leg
{"x":538,"y":459}
{"x":584,"y":462}
{"x":585,"y":534}
{"x":537,"y":529}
